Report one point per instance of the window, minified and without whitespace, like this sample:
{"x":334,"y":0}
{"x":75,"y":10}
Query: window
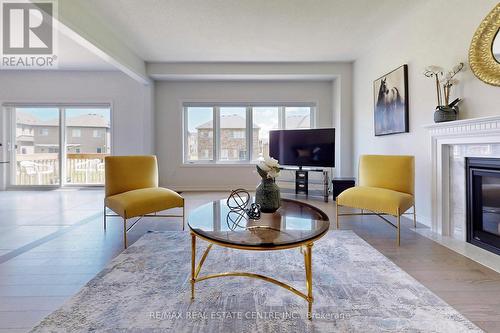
{"x":237,"y":133}
{"x":76,"y":132}
{"x":38,"y":159}
{"x":297,"y":117}
{"x":199,"y":134}
{"x":266,"y":118}
{"x":232,"y":128}
{"x":88,"y":135}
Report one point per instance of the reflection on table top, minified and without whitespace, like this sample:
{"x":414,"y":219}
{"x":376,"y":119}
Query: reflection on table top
{"x":294,"y":223}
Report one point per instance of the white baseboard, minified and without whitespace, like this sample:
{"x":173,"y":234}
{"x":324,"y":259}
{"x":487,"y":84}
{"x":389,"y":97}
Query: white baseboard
{"x":475,"y":253}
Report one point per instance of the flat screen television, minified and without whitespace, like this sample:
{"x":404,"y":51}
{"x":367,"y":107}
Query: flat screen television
{"x":303,"y":147}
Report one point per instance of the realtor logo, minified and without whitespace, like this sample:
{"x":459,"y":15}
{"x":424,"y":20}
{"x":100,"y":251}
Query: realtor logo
{"x":28,"y":34}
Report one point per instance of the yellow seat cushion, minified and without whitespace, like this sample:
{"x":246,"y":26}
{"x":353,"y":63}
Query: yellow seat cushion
{"x":143,"y":201}
{"x":379,"y":200}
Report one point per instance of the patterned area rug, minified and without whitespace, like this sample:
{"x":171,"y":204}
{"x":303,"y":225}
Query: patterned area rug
{"x":356,"y":289}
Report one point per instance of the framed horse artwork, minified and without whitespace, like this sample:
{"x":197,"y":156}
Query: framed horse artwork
{"x":391,"y":102}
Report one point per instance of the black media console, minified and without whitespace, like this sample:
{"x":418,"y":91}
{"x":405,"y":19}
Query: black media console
{"x":302,"y":182}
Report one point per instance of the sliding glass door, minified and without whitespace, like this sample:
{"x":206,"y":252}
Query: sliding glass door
{"x":54,"y":146}
{"x":36,"y":147}
{"x":87,"y":143}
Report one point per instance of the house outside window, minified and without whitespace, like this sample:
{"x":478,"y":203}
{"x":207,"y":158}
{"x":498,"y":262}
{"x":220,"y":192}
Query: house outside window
{"x":76,"y":132}
{"x":237,"y":133}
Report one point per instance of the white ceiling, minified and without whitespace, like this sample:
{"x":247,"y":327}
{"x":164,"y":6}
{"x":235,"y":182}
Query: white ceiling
{"x":249,"y":30}
{"x":73,"y":56}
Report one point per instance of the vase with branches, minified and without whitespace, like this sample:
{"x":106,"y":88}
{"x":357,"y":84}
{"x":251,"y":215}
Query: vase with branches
{"x":445,"y":111}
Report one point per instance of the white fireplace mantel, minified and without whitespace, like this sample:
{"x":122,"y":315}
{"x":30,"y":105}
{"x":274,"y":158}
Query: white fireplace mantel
{"x":443,"y":137}
{"x":465,"y":126}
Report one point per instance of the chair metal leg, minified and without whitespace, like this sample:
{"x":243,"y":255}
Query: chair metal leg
{"x":414,"y":217}
{"x":104,"y":217}
{"x":193,"y":262}
{"x":183,"y":214}
{"x":337,"y":214}
{"x":399,"y":228}
{"x":125,"y":232}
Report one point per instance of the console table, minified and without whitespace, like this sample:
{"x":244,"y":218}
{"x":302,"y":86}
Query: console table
{"x":302,"y":183}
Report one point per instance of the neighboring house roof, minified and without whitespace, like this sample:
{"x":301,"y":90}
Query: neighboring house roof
{"x":298,"y":121}
{"x":85,"y":120}
{"x":229,"y":121}
{"x":25,"y":118}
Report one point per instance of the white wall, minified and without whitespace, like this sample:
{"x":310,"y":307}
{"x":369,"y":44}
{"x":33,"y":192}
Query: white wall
{"x":434,"y":33}
{"x":169,"y":98}
{"x":132,"y":102}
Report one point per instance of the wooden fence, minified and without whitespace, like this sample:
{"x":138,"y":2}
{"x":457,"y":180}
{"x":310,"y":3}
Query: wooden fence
{"x":43,"y":169}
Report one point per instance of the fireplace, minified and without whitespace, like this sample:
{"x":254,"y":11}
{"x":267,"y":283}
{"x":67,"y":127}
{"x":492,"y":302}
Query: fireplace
{"x":483,"y":202}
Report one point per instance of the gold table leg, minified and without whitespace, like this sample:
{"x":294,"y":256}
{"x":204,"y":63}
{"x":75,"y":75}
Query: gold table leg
{"x":308,"y":265}
{"x":193,"y":262}
{"x":195,"y":271}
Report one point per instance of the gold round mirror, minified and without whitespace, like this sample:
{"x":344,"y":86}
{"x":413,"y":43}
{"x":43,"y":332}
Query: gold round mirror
{"x":484,"y":52}
{"x":496,"y":47}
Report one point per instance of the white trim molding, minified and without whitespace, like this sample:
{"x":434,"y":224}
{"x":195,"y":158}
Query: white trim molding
{"x":443,"y":137}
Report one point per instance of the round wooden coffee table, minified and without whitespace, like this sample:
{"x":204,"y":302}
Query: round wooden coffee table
{"x":294,"y":225}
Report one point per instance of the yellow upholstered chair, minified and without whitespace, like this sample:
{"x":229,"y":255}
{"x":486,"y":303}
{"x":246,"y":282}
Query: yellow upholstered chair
{"x":385,"y":187}
{"x":131,"y":190}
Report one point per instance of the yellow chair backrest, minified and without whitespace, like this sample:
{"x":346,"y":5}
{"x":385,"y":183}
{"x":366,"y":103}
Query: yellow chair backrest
{"x":127,"y":173}
{"x":392,"y":172}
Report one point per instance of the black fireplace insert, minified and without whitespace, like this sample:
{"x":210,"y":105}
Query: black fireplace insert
{"x":483,"y":202}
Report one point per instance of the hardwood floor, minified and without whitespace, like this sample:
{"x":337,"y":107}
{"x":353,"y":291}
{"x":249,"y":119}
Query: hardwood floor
{"x":52,"y":243}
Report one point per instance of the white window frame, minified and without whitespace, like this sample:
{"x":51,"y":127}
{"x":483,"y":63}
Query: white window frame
{"x":216,"y":158}
{"x":9,"y":108}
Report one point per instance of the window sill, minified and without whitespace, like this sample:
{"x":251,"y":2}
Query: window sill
{"x":218,"y":165}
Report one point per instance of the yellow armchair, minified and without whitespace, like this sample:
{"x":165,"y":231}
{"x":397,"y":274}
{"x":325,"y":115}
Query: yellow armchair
{"x":131,"y":190}
{"x":386,"y":186}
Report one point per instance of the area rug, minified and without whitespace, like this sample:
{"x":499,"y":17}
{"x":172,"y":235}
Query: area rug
{"x":356,"y":289}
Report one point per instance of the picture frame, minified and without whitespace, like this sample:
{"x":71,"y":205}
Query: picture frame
{"x":391,"y":107}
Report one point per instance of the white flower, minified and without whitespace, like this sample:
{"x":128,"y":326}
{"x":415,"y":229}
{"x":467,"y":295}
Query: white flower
{"x":449,"y":75}
{"x":264,"y":166}
{"x":269,"y":166}
{"x":271,"y":162}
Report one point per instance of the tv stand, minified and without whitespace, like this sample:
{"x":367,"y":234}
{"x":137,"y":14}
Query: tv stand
{"x":302,"y":181}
